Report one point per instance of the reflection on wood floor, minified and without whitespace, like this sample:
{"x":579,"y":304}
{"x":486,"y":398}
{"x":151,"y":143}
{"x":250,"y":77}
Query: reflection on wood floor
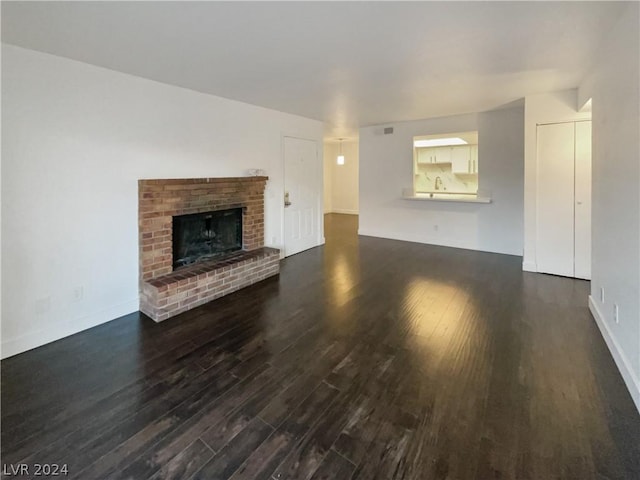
{"x":366,"y":359}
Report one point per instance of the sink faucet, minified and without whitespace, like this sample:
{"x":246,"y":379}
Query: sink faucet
{"x":438,"y":183}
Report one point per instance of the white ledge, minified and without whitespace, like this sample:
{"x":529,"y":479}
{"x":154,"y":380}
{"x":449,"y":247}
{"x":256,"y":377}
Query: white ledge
{"x":447,"y":197}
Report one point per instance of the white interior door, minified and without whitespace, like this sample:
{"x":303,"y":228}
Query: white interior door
{"x":582,"y":240}
{"x":302,"y":195}
{"x":555,"y":199}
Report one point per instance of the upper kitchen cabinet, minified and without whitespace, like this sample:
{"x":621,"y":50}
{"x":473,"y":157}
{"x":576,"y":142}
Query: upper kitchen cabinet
{"x":433,"y":155}
{"x":473,"y":163}
{"x":442,"y":155}
{"x":423,"y":155}
{"x":464,"y":159}
{"x":461,"y":159}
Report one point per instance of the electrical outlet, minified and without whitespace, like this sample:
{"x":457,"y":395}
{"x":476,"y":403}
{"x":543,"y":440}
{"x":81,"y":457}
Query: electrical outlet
{"x":435,"y":228}
{"x":601,"y":294}
{"x":616,"y":313}
{"x":78,"y":293}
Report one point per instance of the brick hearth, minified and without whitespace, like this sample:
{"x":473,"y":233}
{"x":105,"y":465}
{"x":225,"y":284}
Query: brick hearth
{"x":164,"y":292}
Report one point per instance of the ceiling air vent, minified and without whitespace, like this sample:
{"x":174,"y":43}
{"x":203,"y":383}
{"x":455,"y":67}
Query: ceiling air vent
{"x":388,"y":130}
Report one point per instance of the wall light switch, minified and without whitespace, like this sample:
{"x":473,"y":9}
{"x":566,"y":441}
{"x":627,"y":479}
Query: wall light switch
{"x":601,"y":294}
{"x":616,"y":313}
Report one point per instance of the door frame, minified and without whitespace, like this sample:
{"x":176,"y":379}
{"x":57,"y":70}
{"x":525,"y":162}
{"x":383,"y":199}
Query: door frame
{"x":320,"y":189}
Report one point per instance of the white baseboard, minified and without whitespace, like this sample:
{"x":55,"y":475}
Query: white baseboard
{"x":344,"y":211}
{"x":529,"y":267}
{"x":41,"y":337}
{"x":622,"y":362}
{"x":381,"y":234}
{"x":441,"y":242}
{"x":404,"y":237}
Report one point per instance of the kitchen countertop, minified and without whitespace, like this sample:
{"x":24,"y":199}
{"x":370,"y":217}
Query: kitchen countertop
{"x":447,"y":197}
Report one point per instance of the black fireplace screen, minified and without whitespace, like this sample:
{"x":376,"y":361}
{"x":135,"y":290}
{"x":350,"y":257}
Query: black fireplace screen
{"x":204,"y":236}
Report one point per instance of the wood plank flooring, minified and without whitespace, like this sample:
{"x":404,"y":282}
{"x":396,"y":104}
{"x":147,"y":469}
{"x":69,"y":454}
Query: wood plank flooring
{"x":366,"y":359}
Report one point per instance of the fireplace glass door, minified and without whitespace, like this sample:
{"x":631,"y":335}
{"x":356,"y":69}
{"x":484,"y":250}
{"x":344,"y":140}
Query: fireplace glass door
{"x":205,"y":236}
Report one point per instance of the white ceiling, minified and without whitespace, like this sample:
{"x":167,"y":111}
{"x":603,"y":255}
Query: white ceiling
{"x":349,"y":64}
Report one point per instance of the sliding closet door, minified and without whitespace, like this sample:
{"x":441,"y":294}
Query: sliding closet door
{"x":582,"y":241}
{"x":555,"y":199}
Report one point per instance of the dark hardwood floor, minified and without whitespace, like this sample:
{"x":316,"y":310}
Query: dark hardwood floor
{"x":366,"y":359}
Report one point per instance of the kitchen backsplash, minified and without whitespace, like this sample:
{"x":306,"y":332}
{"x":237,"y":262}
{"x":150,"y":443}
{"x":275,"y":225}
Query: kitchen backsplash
{"x":427,"y":176}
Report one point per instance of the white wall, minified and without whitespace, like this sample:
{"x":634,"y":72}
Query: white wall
{"x":386,"y":168}
{"x":76,"y":140}
{"x":1,"y":208}
{"x":539,"y":109}
{"x":341,"y":180}
{"x":614,"y":86}
{"x":327,"y":175}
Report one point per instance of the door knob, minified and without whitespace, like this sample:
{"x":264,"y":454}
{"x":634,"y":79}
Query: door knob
{"x":287,"y":202}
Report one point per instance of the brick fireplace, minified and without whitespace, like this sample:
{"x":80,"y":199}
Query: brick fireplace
{"x":165,"y":291}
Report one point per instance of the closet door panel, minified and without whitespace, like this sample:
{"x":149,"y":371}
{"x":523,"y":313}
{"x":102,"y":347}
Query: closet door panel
{"x":582,"y":241}
{"x":555,"y":198}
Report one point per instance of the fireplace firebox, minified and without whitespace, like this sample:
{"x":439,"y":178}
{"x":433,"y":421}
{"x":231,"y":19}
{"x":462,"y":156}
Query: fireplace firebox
{"x":204,"y":236}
